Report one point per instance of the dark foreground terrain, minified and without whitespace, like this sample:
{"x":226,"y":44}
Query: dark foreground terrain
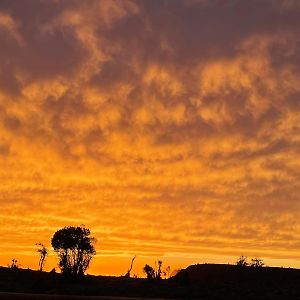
{"x":196,"y":282}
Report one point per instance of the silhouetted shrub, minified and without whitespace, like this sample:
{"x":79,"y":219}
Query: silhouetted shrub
{"x":157,"y":272}
{"x":14,"y":264}
{"x":242,"y":261}
{"x":149,"y":272}
{"x":75,"y":249}
{"x":257,"y":262}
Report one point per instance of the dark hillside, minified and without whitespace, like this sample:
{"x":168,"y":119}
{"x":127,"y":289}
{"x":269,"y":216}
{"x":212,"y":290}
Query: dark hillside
{"x":29,"y":281}
{"x":196,"y":282}
{"x":221,"y":281}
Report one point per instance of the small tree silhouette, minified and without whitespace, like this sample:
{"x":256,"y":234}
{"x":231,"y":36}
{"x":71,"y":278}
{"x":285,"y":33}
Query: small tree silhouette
{"x":14,"y":264}
{"x":257,"y":262}
{"x":242,"y":261}
{"x":75,"y":249}
{"x":42,"y":250}
{"x":156,"y":272}
{"x":130,"y":268}
{"x":149,"y":272}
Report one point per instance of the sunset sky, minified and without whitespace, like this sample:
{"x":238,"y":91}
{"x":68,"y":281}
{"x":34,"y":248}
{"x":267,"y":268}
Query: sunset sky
{"x":171,"y":129}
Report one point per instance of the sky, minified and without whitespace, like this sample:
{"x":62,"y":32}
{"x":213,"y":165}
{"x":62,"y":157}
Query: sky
{"x":171,"y":129}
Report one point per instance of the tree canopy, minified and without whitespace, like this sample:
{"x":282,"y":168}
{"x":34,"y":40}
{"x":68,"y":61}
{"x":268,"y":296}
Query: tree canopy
{"x":75,"y":249}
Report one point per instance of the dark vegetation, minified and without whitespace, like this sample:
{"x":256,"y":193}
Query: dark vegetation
{"x":255,"y":262}
{"x":128,"y":273}
{"x":156,"y":273}
{"x":196,"y":282}
{"x":14,"y":264}
{"x":75,"y":249}
{"x":42,"y":250}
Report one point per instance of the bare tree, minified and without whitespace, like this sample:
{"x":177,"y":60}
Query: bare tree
{"x":130,"y":268}
{"x":42,"y":250}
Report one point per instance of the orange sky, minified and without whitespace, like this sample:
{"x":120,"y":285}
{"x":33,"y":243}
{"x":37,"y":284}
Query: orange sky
{"x":171,"y":129}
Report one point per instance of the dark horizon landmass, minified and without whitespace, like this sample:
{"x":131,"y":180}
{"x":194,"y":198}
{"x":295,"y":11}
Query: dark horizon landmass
{"x":204,"y":281}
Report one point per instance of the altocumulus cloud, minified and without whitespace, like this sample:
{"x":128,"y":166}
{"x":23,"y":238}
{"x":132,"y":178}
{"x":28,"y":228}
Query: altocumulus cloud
{"x":178,"y":119}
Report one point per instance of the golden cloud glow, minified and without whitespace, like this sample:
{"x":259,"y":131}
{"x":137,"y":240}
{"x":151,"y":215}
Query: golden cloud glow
{"x":170,"y":135}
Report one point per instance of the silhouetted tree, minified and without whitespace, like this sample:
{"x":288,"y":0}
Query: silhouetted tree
{"x":242,"y":261}
{"x":257,"y":262}
{"x":156,"y":272}
{"x":75,"y":249}
{"x":14,"y":264}
{"x":130,"y":268}
{"x":149,"y":272}
{"x":42,"y":250}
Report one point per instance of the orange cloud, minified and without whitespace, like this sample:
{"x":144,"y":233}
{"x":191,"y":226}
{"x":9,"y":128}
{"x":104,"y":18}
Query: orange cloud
{"x":170,"y":129}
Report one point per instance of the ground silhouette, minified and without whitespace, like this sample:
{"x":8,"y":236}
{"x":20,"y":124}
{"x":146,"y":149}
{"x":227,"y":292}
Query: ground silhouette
{"x":206,"y":281}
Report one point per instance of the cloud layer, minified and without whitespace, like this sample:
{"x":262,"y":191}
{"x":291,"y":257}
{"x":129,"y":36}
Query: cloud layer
{"x":170,"y":128}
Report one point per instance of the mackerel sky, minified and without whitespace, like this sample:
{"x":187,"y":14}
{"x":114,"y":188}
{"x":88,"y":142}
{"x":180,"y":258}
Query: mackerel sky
{"x":171,"y":129}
